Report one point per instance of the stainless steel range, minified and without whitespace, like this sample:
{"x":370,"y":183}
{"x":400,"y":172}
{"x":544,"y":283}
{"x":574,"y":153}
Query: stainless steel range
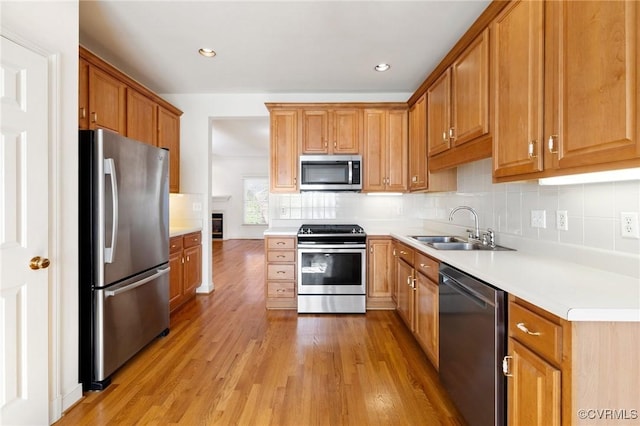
{"x":332,"y":269}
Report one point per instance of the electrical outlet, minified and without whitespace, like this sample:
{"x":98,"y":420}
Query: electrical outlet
{"x":197,"y":207}
{"x":629,"y":225}
{"x":538,"y":219}
{"x":562,"y":220}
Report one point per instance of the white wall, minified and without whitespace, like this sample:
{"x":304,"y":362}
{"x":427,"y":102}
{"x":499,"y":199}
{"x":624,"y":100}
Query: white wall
{"x":195,"y":137}
{"x":53,"y":27}
{"x":227,"y":175}
{"x":593,"y":212}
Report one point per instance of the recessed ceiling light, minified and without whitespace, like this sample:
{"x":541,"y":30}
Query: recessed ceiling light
{"x":382,"y":67}
{"x":209,"y":53}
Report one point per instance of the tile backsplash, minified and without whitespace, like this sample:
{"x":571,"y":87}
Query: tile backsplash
{"x":593,"y":210}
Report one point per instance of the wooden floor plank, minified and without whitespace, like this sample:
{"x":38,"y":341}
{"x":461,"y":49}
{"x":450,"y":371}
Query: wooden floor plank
{"x":229,"y":361}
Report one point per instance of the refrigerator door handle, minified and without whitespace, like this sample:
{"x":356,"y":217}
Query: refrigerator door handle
{"x":110,"y":169}
{"x":159,"y":273}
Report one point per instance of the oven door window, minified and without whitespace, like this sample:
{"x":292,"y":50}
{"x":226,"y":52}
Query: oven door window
{"x":331,"y":269}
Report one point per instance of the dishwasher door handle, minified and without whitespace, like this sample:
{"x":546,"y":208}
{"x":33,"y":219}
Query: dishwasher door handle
{"x":465,"y":291}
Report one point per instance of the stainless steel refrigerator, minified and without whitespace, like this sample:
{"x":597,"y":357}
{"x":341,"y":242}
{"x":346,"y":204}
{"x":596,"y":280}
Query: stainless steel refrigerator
{"x":123,"y":251}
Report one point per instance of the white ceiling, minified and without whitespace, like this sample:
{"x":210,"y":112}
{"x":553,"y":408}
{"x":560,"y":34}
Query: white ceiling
{"x":300,"y":46}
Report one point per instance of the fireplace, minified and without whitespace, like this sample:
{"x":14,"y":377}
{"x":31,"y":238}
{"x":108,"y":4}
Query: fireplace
{"x":217,"y":226}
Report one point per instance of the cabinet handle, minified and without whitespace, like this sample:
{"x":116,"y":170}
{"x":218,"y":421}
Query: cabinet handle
{"x":524,"y":328}
{"x":403,"y":252}
{"x":326,"y":144}
{"x":280,"y":243}
{"x":335,"y":144}
{"x":83,"y":112}
{"x":183,"y":260}
{"x":414,"y":178}
{"x":280,"y":290}
{"x":394,"y":253}
{"x":371,"y":249}
{"x":94,"y":117}
{"x":280,"y":272}
{"x":413,"y":284}
{"x":552,"y":144}
{"x":409,"y":280}
{"x":422,"y":265}
{"x":188,"y":260}
{"x":531,"y":149}
{"x":452,"y":133}
{"x":505,"y":366}
{"x":280,"y":256}
{"x":444,"y":136}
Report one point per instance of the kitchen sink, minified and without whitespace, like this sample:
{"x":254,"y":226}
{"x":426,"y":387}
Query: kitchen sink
{"x":427,"y":239}
{"x":446,"y":242}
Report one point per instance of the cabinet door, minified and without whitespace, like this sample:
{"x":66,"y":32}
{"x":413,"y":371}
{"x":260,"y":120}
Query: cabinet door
{"x":83,"y":94}
{"x":470,"y":91}
{"x":315,"y":131}
{"x":404,"y":278}
{"x":426,"y":317}
{"x":594,"y":78}
{"x":517,"y":83}
{"x":169,"y":138}
{"x":175,"y":280}
{"x":438,"y":114}
{"x":284,"y":154}
{"x":397,"y":151}
{"x":142,"y":118}
{"x":192,"y":269}
{"x":346,"y":130}
{"x":533,"y":389}
{"x":418,"y":145}
{"x":375,"y":158}
{"x":380,"y":280}
{"x":107,"y":97}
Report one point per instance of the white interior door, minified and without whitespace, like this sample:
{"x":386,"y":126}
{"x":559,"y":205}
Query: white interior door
{"x":24,"y":219}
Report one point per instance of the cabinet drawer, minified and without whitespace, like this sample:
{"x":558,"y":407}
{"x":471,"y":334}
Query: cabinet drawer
{"x":281,"y":243}
{"x":192,"y":239}
{"x":175,"y":244}
{"x":427,"y":266}
{"x":536,"y":332}
{"x":281,"y":272}
{"x":281,"y":256}
{"x":281,"y":289}
{"x":405,"y":253}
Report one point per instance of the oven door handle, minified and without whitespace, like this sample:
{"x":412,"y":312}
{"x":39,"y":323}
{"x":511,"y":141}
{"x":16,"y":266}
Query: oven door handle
{"x":329,"y":247}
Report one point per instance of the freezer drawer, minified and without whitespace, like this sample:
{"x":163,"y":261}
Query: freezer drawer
{"x":128,"y":316}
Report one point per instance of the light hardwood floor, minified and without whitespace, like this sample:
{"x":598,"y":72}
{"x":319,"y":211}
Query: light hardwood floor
{"x":229,"y":361}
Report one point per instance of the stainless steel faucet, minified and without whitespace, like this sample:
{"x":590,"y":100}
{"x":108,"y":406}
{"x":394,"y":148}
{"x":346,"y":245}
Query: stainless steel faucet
{"x":476,"y":234}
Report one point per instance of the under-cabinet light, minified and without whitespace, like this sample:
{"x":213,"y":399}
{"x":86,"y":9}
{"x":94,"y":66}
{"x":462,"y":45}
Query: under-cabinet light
{"x":385,"y":194}
{"x":608,"y":176}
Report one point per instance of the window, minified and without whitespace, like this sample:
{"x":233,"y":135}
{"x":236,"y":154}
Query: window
{"x":256,"y":200}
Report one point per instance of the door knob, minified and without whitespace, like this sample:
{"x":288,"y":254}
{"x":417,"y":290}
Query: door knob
{"x":39,"y":263}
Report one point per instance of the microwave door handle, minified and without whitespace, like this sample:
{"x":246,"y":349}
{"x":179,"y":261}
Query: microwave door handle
{"x":350,"y":172}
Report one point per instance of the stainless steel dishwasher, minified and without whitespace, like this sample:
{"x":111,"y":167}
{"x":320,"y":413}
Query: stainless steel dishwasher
{"x":472,"y":344}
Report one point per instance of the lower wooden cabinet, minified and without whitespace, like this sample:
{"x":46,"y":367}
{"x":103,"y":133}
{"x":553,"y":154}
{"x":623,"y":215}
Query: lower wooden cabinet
{"x":380,"y":273}
{"x":185,"y":261}
{"x":280,"y":259}
{"x":536,"y":366}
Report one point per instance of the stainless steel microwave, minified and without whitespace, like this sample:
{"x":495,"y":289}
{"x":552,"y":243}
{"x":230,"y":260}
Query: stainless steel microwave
{"x":330,"y":172}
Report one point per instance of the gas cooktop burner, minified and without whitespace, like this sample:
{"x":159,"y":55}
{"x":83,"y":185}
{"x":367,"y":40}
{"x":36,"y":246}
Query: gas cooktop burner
{"x":331,"y":229}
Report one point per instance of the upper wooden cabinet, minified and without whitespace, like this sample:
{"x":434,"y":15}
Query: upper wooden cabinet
{"x":420,"y":179}
{"x":168,"y":137}
{"x":83,"y":94}
{"x":111,"y":100}
{"x":385,"y":150}
{"x":458,"y":109}
{"x":142,"y":118}
{"x":107,"y":101}
{"x":283,"y":150}
{"x":331,"y":130}
{"x":565,"y":88}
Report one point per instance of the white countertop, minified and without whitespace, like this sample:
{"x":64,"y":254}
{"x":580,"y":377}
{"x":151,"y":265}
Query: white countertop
{"x":569,"y":290}
{"x":176,"y":231}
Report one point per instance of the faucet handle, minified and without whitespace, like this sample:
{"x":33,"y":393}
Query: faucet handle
{"x":489,"y":237}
